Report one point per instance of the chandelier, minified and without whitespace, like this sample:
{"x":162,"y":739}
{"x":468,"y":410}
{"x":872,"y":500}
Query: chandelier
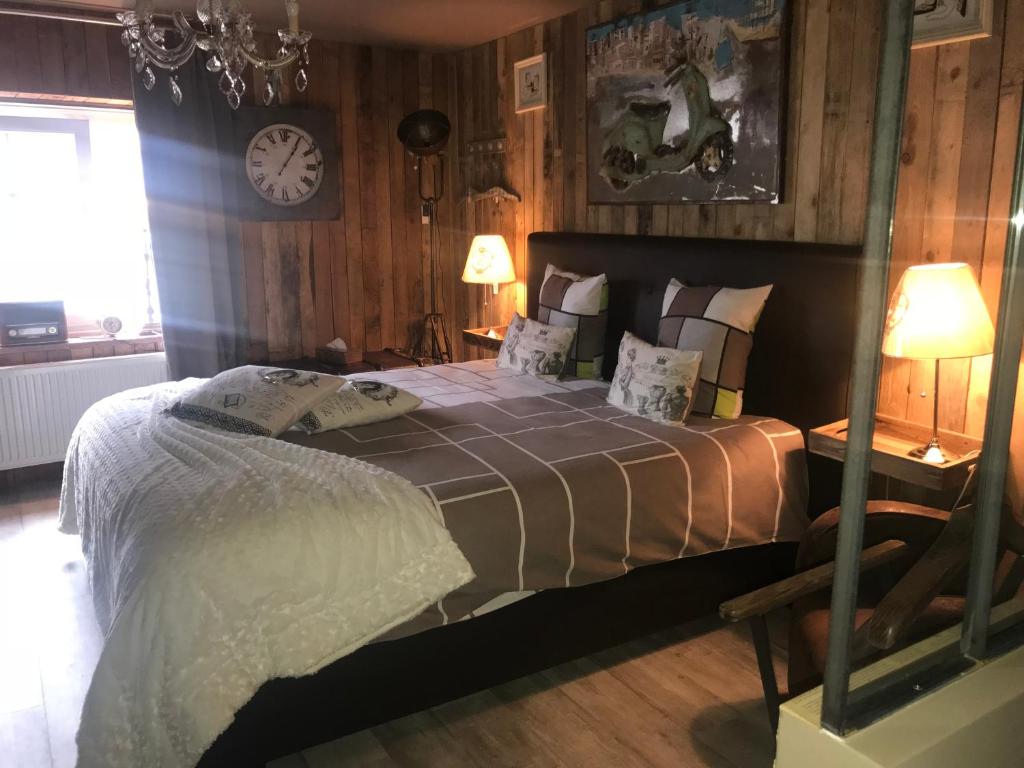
{"x":226,"y":34}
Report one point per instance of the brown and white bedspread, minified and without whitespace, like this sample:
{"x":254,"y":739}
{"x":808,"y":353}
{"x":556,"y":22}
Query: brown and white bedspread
{"x":546,"y":485}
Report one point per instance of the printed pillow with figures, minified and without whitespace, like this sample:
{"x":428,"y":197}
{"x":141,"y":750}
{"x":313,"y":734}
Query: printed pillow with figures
{"x":256,"y":400}
{"x":535,"y":348}
{"x":654,"y":382}
{"x":358,"y":403}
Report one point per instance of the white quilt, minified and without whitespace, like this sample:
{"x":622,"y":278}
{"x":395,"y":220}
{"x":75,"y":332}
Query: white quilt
{"x":218,"y":562}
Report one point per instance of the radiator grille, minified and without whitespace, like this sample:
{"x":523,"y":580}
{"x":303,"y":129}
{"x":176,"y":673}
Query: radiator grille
{"x":41,"y":404}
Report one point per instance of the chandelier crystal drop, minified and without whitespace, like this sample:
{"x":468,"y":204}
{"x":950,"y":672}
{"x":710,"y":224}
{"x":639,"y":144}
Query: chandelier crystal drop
{"x":225,"y":32}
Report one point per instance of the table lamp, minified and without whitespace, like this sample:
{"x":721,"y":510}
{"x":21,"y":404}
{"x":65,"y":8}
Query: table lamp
{"x":489,"y":262}
{"x":937,"y":313}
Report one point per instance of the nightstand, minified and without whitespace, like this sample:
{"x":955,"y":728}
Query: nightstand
{"x":480,"y":337}
{"x":893,"y":441}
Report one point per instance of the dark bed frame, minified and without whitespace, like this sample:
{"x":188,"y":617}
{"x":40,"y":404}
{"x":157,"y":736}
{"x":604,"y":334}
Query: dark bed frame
{"x":798,"y":371}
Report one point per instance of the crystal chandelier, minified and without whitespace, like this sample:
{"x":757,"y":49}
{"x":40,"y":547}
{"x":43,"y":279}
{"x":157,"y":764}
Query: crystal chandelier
{"x":226,"y":34}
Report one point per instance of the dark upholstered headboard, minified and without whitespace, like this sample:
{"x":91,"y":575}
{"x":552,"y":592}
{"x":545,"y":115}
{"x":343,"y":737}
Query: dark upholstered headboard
{"x":800,"y":368}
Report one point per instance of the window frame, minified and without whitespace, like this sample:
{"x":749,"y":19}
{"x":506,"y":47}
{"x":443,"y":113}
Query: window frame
{"x":78,"y":327}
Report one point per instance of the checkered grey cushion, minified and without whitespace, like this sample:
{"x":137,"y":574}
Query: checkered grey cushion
{"x":720,"y":323}
{"x":580,"y":302}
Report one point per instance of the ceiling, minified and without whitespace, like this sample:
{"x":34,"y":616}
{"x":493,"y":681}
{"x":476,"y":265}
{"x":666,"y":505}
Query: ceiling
{"x":421,"y":24}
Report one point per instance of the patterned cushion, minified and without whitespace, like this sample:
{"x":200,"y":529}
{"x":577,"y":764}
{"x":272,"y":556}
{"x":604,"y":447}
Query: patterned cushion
{"x":577,"y":301}
{"x":533,"y":347}
{"x":654,"y":382}
{"x":720,"y":323}
{"x":255,"y":400}
{"x":357,"y":403}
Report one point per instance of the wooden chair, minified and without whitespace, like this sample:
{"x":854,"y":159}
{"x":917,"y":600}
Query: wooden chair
{"x":913,"y":578}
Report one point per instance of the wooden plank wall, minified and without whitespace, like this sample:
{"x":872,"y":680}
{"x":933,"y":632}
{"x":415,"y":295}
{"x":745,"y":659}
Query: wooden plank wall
{"x":364,"y":277}
{"x":958,"y":148}
{"x":63,"y":60}
{"x":831,"y":85}
{"x":361,"y":277}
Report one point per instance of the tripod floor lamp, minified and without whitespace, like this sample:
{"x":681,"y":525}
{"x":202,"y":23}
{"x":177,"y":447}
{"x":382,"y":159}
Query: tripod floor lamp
{"x":424,"y":134}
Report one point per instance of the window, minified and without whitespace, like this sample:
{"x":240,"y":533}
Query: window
{"x":73,"y":221}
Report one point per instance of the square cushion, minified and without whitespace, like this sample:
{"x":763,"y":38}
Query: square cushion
{"x":535,"y":348}
{"x":256,"y":400}
{"x":720,"y":323}
{"x":657,"y":383}
{"x":359,"y":402}
{"x":576,"y":301}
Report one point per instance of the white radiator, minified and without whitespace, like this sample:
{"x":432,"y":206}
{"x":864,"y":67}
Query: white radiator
{"x":41,"y":404}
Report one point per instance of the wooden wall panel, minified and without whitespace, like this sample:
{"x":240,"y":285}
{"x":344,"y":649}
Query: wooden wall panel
{"x":953,"y":199}
{"x":63,"y":61}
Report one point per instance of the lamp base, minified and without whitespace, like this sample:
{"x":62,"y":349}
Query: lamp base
{"x":933,"y":453}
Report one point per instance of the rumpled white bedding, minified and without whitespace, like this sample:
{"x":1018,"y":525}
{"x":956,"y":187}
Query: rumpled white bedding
{"x":219,"y":561}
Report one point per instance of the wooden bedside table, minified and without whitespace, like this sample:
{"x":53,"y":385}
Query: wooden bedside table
{"x":479,"y":337}
{"x":893,"y":440}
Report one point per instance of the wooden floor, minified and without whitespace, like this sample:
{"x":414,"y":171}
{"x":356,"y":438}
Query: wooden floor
{"x":687,"y":697}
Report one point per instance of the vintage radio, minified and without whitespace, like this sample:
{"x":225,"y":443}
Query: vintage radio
{"x":32,"y":322}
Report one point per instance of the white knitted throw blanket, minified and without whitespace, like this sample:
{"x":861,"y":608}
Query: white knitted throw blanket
{"x":220,"y":561}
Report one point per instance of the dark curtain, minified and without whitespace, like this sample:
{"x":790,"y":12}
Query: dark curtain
{"x":187,"y":156}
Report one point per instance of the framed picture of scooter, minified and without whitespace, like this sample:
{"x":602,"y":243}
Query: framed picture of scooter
{"x":685,"y":104}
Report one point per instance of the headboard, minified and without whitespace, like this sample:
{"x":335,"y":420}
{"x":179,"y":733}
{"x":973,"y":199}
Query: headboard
{"x":800,"y":368}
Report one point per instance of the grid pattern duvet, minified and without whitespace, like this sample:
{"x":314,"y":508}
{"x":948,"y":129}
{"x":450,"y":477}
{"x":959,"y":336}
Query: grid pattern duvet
{"x":546,"y":485}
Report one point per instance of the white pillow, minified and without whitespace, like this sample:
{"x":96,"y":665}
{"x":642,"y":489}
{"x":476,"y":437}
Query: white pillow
{"x":256,"y":400}
{"x":359,"y":402}
{"x":654,"y":382}
{"x":536,"y":348}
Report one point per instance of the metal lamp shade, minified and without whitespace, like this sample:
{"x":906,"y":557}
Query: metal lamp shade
{"x":424,"y":132}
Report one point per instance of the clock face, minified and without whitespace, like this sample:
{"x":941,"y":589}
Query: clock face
{"x":284,"y":164}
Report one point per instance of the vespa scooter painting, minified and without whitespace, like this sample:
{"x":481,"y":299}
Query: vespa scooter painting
{"x":684,"y":103}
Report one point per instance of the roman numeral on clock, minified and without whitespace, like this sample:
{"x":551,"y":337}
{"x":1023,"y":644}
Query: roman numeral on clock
{"x":312,"y":150}
{"x":284,"y":133}
{"x":314,"y":167}
{"x":307,"y":181}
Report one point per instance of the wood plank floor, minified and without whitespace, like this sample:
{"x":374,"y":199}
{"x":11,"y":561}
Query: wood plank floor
{"x":687,"y":697}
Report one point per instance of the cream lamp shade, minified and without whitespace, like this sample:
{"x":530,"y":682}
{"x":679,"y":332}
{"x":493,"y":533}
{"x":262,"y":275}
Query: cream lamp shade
{"x":937,"y":312}
{"x":489,"y":262}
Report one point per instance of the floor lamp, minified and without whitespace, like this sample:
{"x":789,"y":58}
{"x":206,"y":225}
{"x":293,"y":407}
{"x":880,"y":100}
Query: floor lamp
{"x":424,"y":133}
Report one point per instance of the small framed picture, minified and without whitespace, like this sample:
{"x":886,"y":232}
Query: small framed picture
{"x":951,"y":21}
{"x":531,"y":83}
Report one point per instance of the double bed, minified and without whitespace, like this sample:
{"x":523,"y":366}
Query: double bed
{"x":585,"y":526}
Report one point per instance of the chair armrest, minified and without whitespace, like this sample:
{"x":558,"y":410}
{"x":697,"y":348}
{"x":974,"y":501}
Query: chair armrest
{"x":764,"y":600}
{"x":903,"y":605}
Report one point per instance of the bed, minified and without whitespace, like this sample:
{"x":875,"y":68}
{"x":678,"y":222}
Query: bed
{"x":523,"y":472}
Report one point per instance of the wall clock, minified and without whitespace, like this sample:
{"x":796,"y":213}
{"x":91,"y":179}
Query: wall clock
{"x":284,"y":164}
{"x":287,"y":164}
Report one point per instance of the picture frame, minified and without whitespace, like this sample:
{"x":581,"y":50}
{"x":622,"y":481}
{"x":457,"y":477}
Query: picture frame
{"x":531,"y":83}
{"x":938,"y":22}
{"x":686,"y":103}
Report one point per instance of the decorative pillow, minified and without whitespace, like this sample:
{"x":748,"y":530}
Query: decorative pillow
{"x":577,"y":301}
{"x":256,"y":400}
{"x":720,"y":323}
{"x":533,"y":347}
{"x":359,"y":402}
{"x":654,"y":382}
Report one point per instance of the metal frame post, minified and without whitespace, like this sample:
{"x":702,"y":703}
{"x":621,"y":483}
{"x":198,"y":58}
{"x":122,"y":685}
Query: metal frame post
{"x":998,"y":423}
{"x":874,"y":283}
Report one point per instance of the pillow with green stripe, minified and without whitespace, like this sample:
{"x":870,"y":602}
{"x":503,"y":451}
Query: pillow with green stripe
{"x":720,"y":323}
{"x":580,"y":302}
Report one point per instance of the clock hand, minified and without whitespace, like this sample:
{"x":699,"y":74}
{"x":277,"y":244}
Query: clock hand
{"x":294,"y":150}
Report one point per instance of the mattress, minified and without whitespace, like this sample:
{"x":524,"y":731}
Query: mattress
{"x":545,"y":485}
